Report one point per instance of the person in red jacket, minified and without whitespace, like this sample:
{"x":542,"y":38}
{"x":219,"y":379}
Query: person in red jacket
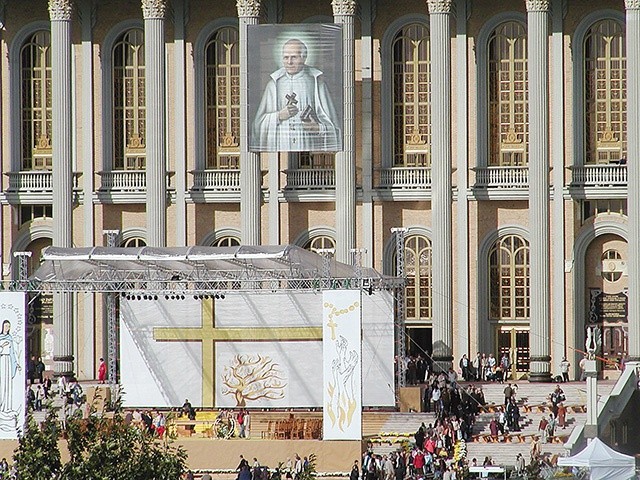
{"x":102,"y":371}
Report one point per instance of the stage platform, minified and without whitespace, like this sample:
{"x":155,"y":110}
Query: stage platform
{"x":332,"y":456}
{"x":217,"y":454}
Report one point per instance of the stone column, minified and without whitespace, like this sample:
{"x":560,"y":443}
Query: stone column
{"x":86,"y":109}
{"x":60,"y":15}
{"x":180,"y":20}
{"x":250,"y":172}
{"x":153,"y":12}
{"x":539,"y":336}
{"x":440,"y":24}
{"x":345,"y":163}
{"x":633,"y":172}
{"x":464,"y":344}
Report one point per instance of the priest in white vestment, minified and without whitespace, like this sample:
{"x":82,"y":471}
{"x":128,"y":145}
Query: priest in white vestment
{"x":296,"y":113}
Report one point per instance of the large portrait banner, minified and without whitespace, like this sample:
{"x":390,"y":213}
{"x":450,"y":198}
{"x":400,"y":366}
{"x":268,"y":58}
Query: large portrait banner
{"x":295,"y":86}
{"x":13,"y":307}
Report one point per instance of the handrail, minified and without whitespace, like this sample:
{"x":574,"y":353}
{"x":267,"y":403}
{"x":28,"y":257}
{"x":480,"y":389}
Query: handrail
{"x":608,"y":407}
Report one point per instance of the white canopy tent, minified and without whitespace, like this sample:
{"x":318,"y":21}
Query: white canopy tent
{"x":603,"y":462}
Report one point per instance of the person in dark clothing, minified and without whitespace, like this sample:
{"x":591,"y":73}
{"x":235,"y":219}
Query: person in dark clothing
{"x":400,"y":467}
{"x":39,"y":370}
{"x":355,"y":471}
{"x":243,"y":463}
{"x":419,"y":436}
{"x":31,"y":369}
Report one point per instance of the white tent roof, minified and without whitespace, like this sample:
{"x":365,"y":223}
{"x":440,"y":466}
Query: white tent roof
{"x":195,"y":268}
{"x":604,"y":462}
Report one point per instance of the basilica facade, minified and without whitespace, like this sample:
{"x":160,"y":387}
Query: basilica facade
{"x":498,"y":140}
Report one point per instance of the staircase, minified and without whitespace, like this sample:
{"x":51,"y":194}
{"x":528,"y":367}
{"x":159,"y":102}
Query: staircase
{"x":387,"y":432}
{"x":533,"y":400}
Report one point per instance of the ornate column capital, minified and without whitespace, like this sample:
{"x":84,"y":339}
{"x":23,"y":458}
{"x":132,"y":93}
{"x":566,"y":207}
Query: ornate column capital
{"x":60,"y":10}
{"x":248,"y":8}
{"x":632,"y":4}
{"x":154,"y":9}
{"x":344,"y":7}
{"x":440,"y":6}
{"x":537,"y":5}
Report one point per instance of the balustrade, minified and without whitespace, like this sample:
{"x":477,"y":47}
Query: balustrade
{"x":34,"y":181}
{"x":502,"y":177}
{"x":599,"y":175}
{"x":217,"y":179}
{"x":311,"y":179}
{"x":405,"y":177}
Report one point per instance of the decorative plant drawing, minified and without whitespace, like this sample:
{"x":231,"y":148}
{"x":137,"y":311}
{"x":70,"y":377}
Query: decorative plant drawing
{"x":252,"y":377}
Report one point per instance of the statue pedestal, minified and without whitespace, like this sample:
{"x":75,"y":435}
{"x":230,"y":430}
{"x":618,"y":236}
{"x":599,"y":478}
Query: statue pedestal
{"x":591,"y":425}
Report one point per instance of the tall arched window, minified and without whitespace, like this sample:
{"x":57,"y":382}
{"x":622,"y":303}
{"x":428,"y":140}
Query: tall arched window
{"x":411,"y":94}
{"x":418,"y":272}
{"x":509,"y":279}
{"x":36,"y":110}
{"x":508,"y":115}
{"x":222,"y":86}
{"x":605,"y":93}
{"x":129,"y":114}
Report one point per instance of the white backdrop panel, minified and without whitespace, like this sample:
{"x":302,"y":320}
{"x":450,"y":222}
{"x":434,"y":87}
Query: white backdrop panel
{"x":377,"y":350}
{"x":164,"y":373}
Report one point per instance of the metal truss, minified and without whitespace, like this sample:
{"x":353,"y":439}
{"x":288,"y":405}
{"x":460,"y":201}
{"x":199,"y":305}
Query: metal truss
{"x":148,"y":286}
{"x":112,"y":320}
{"x":401,"y":341}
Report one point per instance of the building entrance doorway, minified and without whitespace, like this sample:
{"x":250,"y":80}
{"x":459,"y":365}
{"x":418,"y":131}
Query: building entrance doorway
{"x":514,"y":341}
{"x":419,"y":341}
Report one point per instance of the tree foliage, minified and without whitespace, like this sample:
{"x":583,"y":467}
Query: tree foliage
{"x":37,"y":455}
{"x":100,"y":448}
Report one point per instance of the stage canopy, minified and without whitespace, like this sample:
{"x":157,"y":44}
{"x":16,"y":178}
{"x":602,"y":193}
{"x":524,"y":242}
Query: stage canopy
{"x":198,"y":269}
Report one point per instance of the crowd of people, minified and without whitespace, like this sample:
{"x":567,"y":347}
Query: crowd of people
{"x":433,"y":450}
{"x":482,"y":368}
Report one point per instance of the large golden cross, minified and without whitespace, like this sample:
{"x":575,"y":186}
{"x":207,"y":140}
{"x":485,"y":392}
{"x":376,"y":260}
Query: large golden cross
{"x":209,"y":335}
